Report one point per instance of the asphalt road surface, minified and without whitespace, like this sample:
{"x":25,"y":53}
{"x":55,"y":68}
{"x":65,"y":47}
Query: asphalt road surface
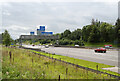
{"x":109,"y":58}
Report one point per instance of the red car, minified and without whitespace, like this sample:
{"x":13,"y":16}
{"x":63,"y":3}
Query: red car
{"x":102,"y":50}
{"x":108,"y":46}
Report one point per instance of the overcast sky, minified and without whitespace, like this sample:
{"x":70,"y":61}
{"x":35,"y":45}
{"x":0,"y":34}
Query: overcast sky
{"x":19,"y":18}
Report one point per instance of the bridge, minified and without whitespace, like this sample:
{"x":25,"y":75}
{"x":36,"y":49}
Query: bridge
{"x":37,"y":37}
{"x":26,"y":37}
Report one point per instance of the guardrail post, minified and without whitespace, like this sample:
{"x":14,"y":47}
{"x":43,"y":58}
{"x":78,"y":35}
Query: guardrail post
{"x":10,"y":56}
{"x":97,"y":68}
{"x":59,"y":78}
{"x":66,"y":71}
{"x":32,"y":60}
{"x":13,"y":58}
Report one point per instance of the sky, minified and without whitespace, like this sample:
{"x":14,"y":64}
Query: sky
{"x":21,"y":17}
{"x":119,"y":9}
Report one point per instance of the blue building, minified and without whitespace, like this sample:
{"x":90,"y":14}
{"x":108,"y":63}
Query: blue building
{"x":46,"y":33}
{"x":42,"y":28}
{"x":32,"y":33}
{"x":41,"y":31}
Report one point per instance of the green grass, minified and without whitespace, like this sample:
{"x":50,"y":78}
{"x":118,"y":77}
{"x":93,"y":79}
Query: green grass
{"x":99,"y":44}
{"x":24,"y":64}
{"x":81,"y":62}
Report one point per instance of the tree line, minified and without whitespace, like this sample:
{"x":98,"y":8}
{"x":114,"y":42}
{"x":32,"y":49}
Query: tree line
{"x":96,"y":32}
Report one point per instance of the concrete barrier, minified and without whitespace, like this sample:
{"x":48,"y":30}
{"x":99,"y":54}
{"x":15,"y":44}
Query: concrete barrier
{"x":109,"y":49}
{"x":69,"y":46}
{"x":32,"y":49}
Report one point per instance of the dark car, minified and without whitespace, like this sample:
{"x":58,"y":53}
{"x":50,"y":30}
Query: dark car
{"x":101,"y":50}
{"x":33,"y":45}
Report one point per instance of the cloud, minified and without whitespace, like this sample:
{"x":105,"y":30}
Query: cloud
{"x":119,"y":9}
{"x":16,"y":31}
{"x":6,"y":13}
{"x":21,"y":18}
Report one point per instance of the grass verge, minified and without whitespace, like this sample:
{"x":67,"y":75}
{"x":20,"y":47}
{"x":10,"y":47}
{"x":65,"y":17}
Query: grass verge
{"x":24,"y":64}
{"x":99,"y":44}
{"x":89,"y":64}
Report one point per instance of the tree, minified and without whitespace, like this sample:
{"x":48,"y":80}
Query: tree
{"x":66,"y":34}
{"x":78,"y":42}
{"x":6,"y":38}
{"x":76,"y":35}
{"x":64,"y":42}
{"x":93,"y":22}
{"x":111,"y":33}
{"x":86,"y":32}
{"x":103,"y":32}
{"x":61,"y":35}
{"x":94,"y":35}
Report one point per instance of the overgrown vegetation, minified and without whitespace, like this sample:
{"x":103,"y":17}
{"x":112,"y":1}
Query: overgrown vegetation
{"x":23,"y":64}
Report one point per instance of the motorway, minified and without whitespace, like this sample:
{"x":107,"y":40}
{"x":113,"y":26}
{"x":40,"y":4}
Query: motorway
{"x":109,"y":58}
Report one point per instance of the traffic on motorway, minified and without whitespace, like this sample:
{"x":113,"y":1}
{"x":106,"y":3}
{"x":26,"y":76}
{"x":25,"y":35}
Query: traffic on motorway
{"x":109,"y":57}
